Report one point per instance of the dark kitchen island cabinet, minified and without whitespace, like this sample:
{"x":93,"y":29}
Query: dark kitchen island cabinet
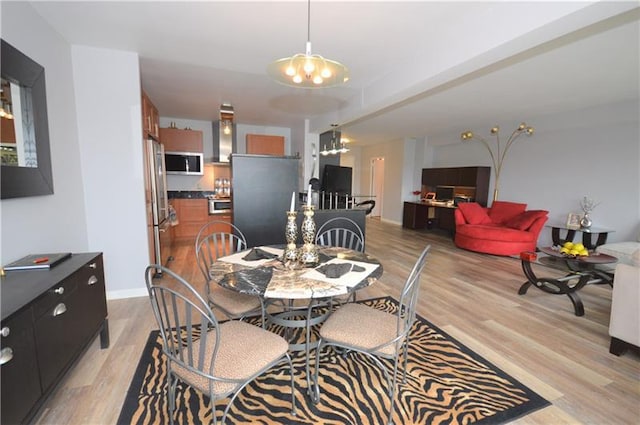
{"x":49,"y":317}
{"x":262,"y":187}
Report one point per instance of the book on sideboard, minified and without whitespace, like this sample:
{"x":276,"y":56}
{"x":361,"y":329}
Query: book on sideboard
{"x":38,"y":261}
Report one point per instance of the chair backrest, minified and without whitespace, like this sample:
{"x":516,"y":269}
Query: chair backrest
{"x":409,"y":296}
{"x":212,"y":245}
{"x":184,"y":318}
{"x":342,"y":232}
{"x":370,"y":204}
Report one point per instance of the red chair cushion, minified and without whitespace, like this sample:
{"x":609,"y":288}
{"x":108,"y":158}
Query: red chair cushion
{"x":474,"y":213}
{"x":502,"y":211}
{"x":524,"y":220}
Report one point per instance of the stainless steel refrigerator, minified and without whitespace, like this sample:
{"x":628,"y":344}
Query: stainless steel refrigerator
{"x":157,"y":203}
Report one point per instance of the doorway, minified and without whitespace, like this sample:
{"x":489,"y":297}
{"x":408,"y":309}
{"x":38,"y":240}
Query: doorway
{"x":377,"y":185}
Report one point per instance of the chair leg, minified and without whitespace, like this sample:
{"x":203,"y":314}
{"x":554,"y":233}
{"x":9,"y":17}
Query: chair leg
{"x":314,"y":393}
{"x":293,"y":398}
{"x":171,"y":384}
{"x":406,"y":355}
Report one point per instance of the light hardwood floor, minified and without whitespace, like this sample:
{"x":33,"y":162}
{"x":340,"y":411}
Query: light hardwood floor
{"x":536,"y":337}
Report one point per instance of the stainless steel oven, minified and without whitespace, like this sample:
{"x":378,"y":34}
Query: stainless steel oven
{"x":219,"y":206}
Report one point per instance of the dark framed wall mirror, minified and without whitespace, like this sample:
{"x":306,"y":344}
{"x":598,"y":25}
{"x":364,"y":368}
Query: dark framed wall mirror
{"x":24,"y":137}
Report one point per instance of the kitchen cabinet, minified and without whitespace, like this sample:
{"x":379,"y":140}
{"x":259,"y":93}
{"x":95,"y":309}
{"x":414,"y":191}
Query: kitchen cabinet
{"x":192,"y":215}
{"x":49,"y":317}
{"x":177,"y":140}
{"x":263,"y":144}
{"x":7,"y":131}
{"x":150,"y":118}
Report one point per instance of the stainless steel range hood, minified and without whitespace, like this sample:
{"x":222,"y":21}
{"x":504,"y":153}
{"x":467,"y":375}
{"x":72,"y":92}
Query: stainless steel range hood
{"x":224,"y":134}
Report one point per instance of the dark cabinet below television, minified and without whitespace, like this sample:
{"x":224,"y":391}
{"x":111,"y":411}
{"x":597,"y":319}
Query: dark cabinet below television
{"x":48,"y":318}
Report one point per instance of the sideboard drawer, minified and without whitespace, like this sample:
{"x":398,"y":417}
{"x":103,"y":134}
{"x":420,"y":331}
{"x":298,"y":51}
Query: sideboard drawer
{"x":20,"y":378}
{"x":53,"y":296}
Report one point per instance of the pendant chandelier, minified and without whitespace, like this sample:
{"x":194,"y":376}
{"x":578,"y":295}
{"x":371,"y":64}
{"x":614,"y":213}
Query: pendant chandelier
{"x":335,"y":147}
{"x":307,"y":70}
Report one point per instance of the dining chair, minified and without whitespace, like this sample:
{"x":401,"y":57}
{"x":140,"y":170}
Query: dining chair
{"x":368,"y":205}
{"x":211,"y":244}
{"x":217,"y":359}
{"x":342,"y":232}
{"x":345,"y":233}
{"x":375,"y":333}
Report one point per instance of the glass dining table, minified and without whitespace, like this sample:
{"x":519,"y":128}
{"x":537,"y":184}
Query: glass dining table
{"x":306,"y":293}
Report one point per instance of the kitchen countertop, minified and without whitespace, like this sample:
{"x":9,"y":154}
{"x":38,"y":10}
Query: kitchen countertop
{"x":189,"y":194}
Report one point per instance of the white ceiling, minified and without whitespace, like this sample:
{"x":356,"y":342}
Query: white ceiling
{"x":418,"y":68}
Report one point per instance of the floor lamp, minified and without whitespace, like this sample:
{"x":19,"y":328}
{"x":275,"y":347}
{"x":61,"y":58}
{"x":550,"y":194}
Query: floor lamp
{"x":498,"y":155}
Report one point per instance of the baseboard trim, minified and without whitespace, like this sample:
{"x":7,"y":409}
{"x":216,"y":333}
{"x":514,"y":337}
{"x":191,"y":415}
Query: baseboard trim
{"x":127,"y":293}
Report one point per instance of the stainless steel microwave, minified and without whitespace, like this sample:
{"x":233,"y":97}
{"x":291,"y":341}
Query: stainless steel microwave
{"x":185,"y":163}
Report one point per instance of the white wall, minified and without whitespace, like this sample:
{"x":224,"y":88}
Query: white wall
{"x":393,"y":154}
{"x":109,"y":114}
{"x":55,"y":222}
{"x":593,"y":152}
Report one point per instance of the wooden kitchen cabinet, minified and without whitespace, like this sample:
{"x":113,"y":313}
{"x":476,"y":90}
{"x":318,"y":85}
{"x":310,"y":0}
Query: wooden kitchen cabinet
{"x":192,"y":215}
{"x":177,"y":140}
{"x":150,"y":118}
{"x":263,"y":144}
{"x":49,"y":317}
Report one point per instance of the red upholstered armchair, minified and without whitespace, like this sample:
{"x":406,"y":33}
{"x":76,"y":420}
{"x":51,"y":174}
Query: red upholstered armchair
{"x":504,"y":229}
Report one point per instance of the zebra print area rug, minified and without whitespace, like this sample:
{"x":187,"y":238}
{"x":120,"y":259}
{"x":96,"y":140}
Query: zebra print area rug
{"x":447,"y":383}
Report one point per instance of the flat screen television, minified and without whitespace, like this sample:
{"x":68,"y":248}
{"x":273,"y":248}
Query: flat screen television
{"x":336,"y":179}
{"x":444,"y":193}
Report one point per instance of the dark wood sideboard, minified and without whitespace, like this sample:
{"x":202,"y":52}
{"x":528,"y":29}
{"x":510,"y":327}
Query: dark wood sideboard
{"x":49,"y":317}
{"x":471,"y":182}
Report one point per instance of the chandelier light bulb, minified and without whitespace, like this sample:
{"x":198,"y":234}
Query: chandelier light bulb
{"x":308,"y":66}
{"x":317,"y":79}
{"x":495,"y":129}
{"x":291,"y":71}
{"x":326,"y":73}
{"x":297,"y":79}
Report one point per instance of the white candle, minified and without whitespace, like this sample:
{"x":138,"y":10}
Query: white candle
{"x":293,"y":201}
{"x":309,"y":197}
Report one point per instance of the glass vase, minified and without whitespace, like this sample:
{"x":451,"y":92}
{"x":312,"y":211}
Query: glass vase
{"x":585,"y":221}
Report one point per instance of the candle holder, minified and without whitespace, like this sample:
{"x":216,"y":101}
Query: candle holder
{"x":309,"y":252}
{"x":290,"y":234}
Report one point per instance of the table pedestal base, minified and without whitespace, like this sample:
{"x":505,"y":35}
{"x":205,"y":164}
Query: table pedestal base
{"x":568,"y":285}
{"x":296,"y":318}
